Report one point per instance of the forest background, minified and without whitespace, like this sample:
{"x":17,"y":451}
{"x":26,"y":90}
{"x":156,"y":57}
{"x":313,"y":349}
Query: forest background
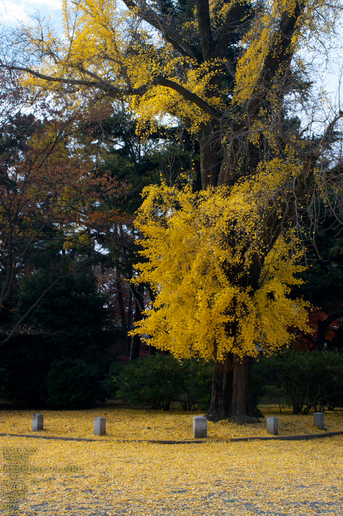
{"x":250,"y":162}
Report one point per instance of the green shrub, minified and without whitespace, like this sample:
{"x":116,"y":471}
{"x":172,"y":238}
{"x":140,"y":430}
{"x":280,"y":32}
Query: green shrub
{"x":259,"y":381}
{"x":307,"y":380}
{"x":109,"y":384}
{"x":155,"y":381}
{"x":197,"y":384}
{"x":159,"y":380}
{"x":72,"y":384}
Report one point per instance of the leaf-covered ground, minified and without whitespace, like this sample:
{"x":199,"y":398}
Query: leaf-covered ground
{"x":111,"y":477}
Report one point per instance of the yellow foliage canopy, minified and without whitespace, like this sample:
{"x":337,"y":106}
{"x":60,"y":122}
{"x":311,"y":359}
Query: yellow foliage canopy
{"x":198,"y":250}
{"x":156,"y":66}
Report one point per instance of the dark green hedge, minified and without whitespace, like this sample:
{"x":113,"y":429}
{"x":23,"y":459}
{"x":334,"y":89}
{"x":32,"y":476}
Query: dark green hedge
{"x":158,"y":380}
{"x":306,"y":380}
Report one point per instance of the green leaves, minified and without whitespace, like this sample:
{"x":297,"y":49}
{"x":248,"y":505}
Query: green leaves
{"x":158,"y":380}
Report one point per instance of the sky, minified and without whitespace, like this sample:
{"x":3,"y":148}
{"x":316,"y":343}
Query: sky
{"x":14,"y":11}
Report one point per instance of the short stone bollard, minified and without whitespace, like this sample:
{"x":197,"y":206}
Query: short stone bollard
{"x":37,"y":422}
{"x":99,"y":426}
{"x":273,"y":425}
{"x":318,"y":420}
{"x":199,"y":427}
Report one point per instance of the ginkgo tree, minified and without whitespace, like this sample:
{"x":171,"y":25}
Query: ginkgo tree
{"x":198,"y":250}
{"x":232,"y":73}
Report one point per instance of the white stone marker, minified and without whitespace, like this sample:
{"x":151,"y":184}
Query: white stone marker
{"x":99,"y":426}
{"x":273,"y":425}
{"x":318,"y":420}
{"x":199,"y":427}
{"x":37,"y":422}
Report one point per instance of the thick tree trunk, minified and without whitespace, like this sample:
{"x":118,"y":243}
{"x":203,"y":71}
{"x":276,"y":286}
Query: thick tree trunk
{"x":232,"y":394}
{"x":221,"y":400}
{"x":232,"y":386}
{"x":239,"y":407}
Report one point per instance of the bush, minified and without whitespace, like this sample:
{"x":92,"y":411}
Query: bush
{"x":159,"y":380}
{"x":70,"y":320}
{"x":72,"y":384}
{"x":155,"y":381}
{"x":197,"y":384}
{"x":109,"y":384}
{"x":307,"y":380}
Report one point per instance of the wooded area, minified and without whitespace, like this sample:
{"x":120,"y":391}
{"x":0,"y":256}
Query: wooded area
{"x":212,"y":108}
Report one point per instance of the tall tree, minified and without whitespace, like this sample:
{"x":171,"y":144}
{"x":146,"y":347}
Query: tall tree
{"x":227,"y":71}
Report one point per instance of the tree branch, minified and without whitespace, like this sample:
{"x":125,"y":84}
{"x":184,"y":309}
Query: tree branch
{"x":114,"y":92}
{"x":323,"y":141}
{"x":110,"y":90}
{"x":229,"y":29}
{"x":147,"y":14}
{"x":187,"y":95}
{"x":280,"y":52}
{"x":279,"y":55}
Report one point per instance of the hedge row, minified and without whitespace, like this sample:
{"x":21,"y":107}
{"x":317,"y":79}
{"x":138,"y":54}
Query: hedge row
{"x":159,"y":380}
{"x":304,"y":381}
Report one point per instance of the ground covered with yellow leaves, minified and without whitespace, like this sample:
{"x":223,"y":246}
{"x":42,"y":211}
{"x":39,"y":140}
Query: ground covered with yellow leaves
{"x":123,"y":473}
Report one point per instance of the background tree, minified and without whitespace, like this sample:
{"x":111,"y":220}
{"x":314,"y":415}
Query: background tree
{"x":50,"y":202}
{"x":323,"y":284}
{"x":126,"y":156}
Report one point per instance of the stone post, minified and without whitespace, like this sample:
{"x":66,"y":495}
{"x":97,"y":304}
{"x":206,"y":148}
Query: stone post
{"x":37,"y":422}
{"x":99,"y":426}
{"x":318,"y":420}
{"x":273,"y":425}
{"x":199,"y":427}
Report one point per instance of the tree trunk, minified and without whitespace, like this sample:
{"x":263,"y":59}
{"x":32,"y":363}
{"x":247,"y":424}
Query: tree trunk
{"x":323,"y":326}
{"x":121,"y":306}
{"x":135,"y":346}
{"x":239,"y":408}
{"x":232,"y":394}
{"x":232,"y":386}
{"x":221,"y":400}
{"x":139,"y":307}
{"x":210,"y":154}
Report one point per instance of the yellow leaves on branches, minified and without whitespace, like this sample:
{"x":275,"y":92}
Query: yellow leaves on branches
{"x":198,"y":251}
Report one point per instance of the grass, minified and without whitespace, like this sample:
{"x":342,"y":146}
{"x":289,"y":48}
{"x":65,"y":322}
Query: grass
{"x":118,"y":478}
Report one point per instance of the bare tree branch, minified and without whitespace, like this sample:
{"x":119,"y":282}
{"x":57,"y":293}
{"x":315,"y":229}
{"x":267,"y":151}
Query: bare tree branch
{"x":105,"y":86}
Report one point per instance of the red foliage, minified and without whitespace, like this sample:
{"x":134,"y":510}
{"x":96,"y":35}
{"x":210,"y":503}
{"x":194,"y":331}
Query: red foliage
{"x":309,"y":341}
